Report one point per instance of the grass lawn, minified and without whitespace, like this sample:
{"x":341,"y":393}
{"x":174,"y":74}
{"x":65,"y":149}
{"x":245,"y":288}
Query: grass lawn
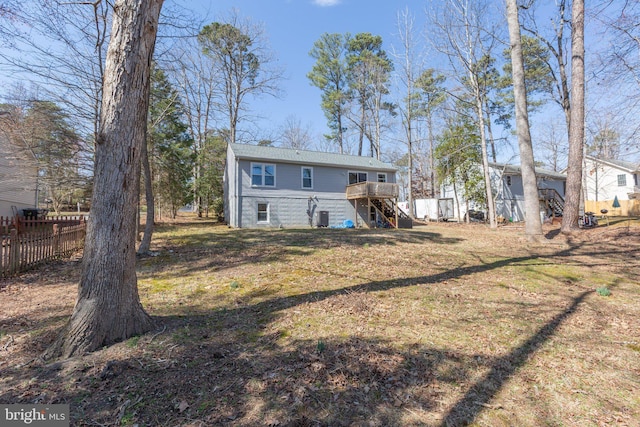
{"x":441,"y":325}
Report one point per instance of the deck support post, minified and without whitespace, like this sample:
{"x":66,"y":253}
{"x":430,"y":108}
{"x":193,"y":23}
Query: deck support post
{"x":396,"y":205}
{"x":356,"y":215}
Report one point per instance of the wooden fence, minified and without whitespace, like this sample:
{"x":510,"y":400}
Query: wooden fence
{"x":27,"y":243}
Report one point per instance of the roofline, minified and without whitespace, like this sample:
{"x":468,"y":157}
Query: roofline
{"x":538,"y":171}
{"x":615,"y":165}
{"x":390,"y":168}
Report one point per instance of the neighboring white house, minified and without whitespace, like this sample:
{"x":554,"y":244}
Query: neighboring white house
{"x":279,"y":187}
{"x":18,"y":179}
{"x":508,"y":191}
{"x":604,"y":180}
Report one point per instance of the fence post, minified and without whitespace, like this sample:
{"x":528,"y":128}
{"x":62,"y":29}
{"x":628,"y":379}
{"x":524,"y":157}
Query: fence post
{"x":14,"y":252}
{"x":16,"y":220}
{"x":56,"y":240}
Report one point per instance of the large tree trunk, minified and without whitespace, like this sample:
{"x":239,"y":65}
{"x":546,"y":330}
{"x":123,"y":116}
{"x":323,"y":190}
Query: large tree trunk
{"x":533,"y":226}
{"x":108,"y":307}
{"x":576,"y":131}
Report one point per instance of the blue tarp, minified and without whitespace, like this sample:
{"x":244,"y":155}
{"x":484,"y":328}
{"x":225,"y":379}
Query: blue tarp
{"x":347,"y":223}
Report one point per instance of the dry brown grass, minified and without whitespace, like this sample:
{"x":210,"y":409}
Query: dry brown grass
{"x":441,"y":325}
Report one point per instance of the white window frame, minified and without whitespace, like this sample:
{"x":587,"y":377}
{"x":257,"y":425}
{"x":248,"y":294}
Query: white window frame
{"x":263,"y":175}
{"x":265,"y":221}
{"x":382,"y":175}
{"x":302,"y":169}
{"x":366,"y":174}
{"x":622,"y":180}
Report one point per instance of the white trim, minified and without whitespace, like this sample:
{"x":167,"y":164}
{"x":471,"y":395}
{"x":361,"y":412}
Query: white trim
{"x":263,"y":175}
{"x":258,"y":221}
{"x":622,"y":180}
{"x":384,"y":174}
{"x":302,"y":168}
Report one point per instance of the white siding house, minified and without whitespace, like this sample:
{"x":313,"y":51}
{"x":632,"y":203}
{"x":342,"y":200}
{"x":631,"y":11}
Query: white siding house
{"x":605,"y":180}
{"x":18,"y":179}
{"x":279,"y":187}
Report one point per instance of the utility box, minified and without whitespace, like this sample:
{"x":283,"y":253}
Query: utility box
{"x":323,"y":218}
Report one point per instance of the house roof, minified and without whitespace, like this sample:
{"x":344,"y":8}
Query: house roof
{"x":288,"y":155}
{"x":540,"y":172}
{"x":620,"y":164}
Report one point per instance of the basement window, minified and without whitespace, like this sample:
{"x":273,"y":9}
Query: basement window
{"x":263,"y":212}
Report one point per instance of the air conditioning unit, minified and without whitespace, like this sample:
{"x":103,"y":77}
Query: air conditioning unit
{"x":323,"y":218}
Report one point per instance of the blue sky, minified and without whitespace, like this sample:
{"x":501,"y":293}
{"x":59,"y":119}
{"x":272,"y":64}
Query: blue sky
{"x":292,"y":26}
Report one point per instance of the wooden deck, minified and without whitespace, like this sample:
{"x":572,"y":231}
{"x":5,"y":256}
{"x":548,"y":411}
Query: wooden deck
{"x":383,"y":196}
{"x":379,"y":190}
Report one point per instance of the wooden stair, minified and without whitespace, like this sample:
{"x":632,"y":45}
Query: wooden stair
{"x":387,"y":208}
{"x":552,"y":201}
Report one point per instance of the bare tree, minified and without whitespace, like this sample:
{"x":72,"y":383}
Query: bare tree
{"x":576,"y":132}
{"x":108,"y":307}
{"x":619,"y":69}
{"x":431,"y":97}
{"x":243,"y":64}
{"x":407,"y":58}
{"x":556,"y":43}
{"x":533,"y":226}
{"x":552,"y":144}
{"x":296,"y":135}
{"x":69,"y":67}
{"x":465,"y":34}
{"x":194,"y":75}
{"x":617,"y":72}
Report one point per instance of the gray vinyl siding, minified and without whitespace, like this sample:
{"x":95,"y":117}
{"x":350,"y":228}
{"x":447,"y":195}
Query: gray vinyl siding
{"x":292,"y":211}
{"x":509,"y":199}
{"x":289,"y":204}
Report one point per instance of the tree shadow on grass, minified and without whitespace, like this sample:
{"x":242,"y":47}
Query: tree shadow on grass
{"x":191,"y":374}
{"x":213,"y":382}
{"x":224,"y":368}
{"x":465,"y":411}
{"x":220,"y":251}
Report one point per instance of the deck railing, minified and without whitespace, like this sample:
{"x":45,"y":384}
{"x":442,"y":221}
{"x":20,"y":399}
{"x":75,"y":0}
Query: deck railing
{"x":382,"y":190}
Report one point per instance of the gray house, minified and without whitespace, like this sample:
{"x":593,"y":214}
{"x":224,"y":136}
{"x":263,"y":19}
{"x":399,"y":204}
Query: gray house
{"x":280,"y":187}
{"x":508,"y":191}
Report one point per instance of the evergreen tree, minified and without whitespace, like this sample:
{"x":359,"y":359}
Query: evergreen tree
{"x":330,"y":75}
{"x":369,"y":73}
{"x":169,"y":145}
{"x":46,"y":131}
{"x":459,"y":161}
